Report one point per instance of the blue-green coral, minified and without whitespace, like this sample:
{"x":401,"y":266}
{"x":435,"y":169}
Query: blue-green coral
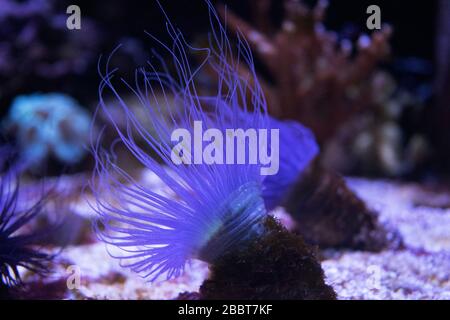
{"x":47,"y":125}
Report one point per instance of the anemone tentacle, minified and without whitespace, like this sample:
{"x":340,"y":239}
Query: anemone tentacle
{"x":17,"y":247}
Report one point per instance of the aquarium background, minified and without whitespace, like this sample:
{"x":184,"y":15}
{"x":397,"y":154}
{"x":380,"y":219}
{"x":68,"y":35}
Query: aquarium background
{"x":392,"y":146}
{"x":39,"y":54}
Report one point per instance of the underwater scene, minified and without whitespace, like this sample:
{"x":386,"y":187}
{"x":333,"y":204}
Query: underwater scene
{"x":224,"y":150}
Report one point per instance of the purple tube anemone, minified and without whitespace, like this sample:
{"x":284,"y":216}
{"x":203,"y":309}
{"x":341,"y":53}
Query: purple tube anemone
{"x":17,"y":247}
{"x":209,"y":208}
{"x":297,"y":148}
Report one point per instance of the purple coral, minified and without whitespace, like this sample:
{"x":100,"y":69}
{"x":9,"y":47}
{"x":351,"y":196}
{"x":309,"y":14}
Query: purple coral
{"x":208,"y":209}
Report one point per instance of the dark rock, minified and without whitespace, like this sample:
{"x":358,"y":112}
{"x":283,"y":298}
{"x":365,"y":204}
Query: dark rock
{"x":330,"y":215}
{"x":278,"y":265}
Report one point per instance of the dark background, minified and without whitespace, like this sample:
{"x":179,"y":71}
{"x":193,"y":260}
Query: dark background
{"x":118,"y":21}
{"x":105,"y":24}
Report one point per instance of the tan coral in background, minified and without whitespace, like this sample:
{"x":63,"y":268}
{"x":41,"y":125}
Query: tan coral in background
{"x":314,"y":78}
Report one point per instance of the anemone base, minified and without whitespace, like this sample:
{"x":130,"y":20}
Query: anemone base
{"x":279,"y":265}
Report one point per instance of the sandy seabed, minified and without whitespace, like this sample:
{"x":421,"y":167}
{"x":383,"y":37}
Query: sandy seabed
{"x":419,"y":271}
